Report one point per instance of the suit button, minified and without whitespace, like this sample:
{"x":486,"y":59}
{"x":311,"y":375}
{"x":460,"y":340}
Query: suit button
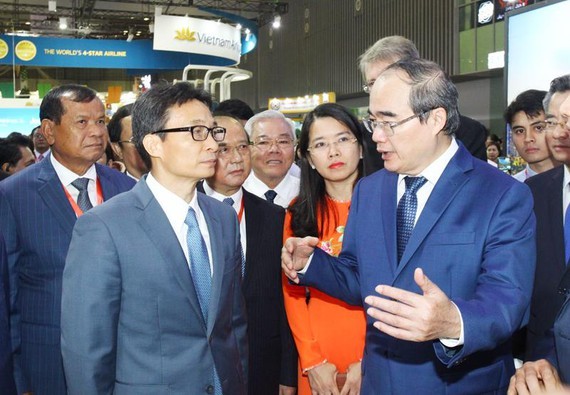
{"x":210,"y":389}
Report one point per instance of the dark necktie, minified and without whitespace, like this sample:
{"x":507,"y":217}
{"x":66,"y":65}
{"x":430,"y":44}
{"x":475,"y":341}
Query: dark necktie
{"x":230,"y":202}
{"x":83,"y":199}
{"x":201,"y":275}
{"x":406,"y":212}
{"x":270,"y":195}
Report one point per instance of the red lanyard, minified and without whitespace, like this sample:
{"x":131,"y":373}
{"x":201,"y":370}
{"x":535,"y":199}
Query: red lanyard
{"x":240,"y":214}
{"x":73,"y":203}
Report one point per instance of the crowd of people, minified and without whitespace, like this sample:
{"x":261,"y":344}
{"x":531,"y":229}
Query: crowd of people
{"x":186,"y":249}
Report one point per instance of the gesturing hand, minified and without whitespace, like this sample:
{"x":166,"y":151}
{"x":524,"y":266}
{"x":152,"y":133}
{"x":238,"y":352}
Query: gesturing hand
{"x":408,"y":316}
{"x":295,"y":254}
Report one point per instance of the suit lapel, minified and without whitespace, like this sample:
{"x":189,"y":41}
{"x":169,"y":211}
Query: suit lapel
{"x":555,"y":213}
{"x":448,"y":185}
{"x":388,"y":199}
{"x":52,"y":193}
{"x":108,"y":187}
{"x":155,"y":223}
{"x":218,"y":261}
{"x":253,"y":230}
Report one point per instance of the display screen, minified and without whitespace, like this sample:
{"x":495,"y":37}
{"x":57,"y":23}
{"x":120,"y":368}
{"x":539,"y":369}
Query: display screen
{"x":20,"y":119}
{"x":538,"y":48}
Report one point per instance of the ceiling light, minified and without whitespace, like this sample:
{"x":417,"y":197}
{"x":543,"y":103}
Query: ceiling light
{"x":28,"y":23}
{"x":277,"y":22}
{"x":146,"y":18}
{"x":63,"y":23}
{"x":52,"y":6}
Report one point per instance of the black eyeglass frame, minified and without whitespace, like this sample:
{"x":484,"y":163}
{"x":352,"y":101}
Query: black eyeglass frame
{"x":212,"y":131}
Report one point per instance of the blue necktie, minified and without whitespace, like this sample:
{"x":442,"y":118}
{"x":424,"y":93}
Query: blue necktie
{"x":201,"y":274}
{"x":567,"y":235}
{"x":230,"y":202}
{"x":83,"y":199}
{"x":406,"y":213}
{"x":270,"y":195}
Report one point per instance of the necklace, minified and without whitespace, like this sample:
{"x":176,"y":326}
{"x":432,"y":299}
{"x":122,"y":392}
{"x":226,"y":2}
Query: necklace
{"x":338,"y":200}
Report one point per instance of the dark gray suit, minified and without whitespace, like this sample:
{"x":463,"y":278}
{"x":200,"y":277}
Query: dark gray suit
{"x":36,"y":220}
{"x":131,"y":320}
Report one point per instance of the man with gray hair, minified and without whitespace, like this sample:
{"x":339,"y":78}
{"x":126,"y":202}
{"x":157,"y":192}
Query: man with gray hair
{"x":376,"y":59}
{"x":273,"y":139}
{"x":439,"y":247}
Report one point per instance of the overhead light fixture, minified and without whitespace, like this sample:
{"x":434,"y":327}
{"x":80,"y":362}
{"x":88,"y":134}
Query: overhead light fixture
{"x":277,"y":22}
{"x":52,"y":6}
{"x":62,"y":23}
{"x":146,"y":18}
{"x":28,"y":23}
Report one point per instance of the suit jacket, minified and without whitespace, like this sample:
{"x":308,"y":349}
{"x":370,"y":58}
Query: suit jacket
{"x":7,"y":385}
{"x":562,"y":332}
{"x":131,"y":319}
{"x":479,"y":251}
{"x":272,"y":351}
{"x":37,"y":220}
{"x":546,"y":301}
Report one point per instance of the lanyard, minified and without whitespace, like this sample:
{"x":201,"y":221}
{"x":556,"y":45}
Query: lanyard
{"x":75,"y":207}
{"x":240,"y":214}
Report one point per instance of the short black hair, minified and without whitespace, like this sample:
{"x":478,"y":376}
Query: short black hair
{"x":114,"y":126}
{"x":236,"y":108}
{"x":150,"y":111}
{"x":9,"y":152}
{"x":52,"y":107}
{"x":530,"y":102}
{"x":20,"y":140}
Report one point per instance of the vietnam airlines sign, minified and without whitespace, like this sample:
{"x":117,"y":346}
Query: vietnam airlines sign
{"x":197,"y":36}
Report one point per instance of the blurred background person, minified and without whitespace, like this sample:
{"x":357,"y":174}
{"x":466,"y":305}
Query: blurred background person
{"x":526,"y":118}
{"x":328,"y":332}
{"x":41,"y":146}
{"x":236,"y":108}
{"x":493,"y":153}
{"x":14,"y":157}
{"x":121,"y":138}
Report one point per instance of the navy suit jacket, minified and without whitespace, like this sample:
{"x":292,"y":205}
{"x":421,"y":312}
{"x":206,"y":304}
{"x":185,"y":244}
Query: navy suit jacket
{"x":131,"y":320}
{"x":475,"y":240}
{"x":562,"y":331}
{"x":546,"y":301}
{"x":37,"y":220}
{"x":7,"y":385}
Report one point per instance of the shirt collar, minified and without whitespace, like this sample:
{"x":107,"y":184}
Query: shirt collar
{"x":433,"y":172}
{"x":566,"y":176}
{"x":66,"y":176}
{"x":173,"y":205}
{"x":218,"y":196}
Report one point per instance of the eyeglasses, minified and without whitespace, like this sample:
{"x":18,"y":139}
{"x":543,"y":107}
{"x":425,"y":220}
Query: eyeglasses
{"x":386,"y":126}
{"x":129,"y":141}
{"x":553,"y":123}
{"x":368,"y":86}
{"x":226,"y":151}
{"x":266,"y":144}
{"x":199,"y":132}
{"x":322,"y":147}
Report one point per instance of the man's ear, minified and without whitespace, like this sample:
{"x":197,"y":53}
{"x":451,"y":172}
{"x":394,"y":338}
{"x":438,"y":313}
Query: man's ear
{"x":153,"y":145}
{"x":47,"y":129}
{"x":438,"y":119}
{"x":6,"y":167}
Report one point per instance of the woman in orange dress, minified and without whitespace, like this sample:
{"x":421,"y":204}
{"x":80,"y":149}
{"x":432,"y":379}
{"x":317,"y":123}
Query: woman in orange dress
{"x":329,"y":333}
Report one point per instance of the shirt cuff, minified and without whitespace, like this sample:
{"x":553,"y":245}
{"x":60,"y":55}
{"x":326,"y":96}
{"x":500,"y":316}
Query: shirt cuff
{"x":452,"y":343}
{"x":304,"y":270}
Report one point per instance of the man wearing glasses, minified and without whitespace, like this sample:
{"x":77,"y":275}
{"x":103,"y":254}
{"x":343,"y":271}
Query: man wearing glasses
{"x":272,"y":155}
{"x":152,"y":300}
{"x":439,"y":247}
{"x":272,"y":352}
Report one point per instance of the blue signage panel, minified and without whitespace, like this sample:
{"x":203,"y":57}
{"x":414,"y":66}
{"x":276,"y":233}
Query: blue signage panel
{"x":20,"y":119}
{"x":86,"y":53}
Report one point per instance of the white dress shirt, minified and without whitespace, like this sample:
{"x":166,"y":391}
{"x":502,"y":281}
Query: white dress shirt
{"x":66,"y":177}
{"x":176,"y":209}
{"x":565,"y":193}
{"x":524,"y":174}
{"x":237,"y":197}
{"x":286,"y":190}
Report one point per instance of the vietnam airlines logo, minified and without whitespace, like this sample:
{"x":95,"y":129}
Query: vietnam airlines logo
{"x":185,"y":34}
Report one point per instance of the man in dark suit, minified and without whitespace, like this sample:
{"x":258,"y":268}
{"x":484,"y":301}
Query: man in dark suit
{"x":152,"y":300}
{"x":439,"y":246}
{"x":38,"y":208}
{"x":272,"y":352}
{"x":7,"y":385}
{"x":376,"y":59}
{"x":551,"y":197}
